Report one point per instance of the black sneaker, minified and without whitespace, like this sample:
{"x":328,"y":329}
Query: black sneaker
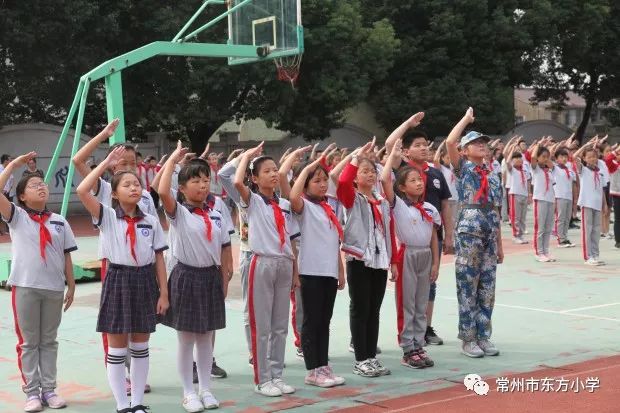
{"x":617,"y":246}
{"x":431,"y":337}
{"x":195,"y":371}
{"x":217,"y":372}
{"x":299,"y":353}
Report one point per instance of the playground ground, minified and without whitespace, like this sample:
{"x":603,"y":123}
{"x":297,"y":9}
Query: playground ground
{"x":555,"y":323}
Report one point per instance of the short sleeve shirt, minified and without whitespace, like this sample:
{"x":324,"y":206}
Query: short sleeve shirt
{"x":28,"y":269}
{"x":450,"y":178}
{"x":411,"y":228}
{"x":190,"y":243}
{"x":543,"y":184}
{"x":563,"y":177}
{"x":591,"y":189}
{"x":519,"y":181}
{"x":319,"y":245}
{"x":149,"y":237}
{"x":263,"y":234}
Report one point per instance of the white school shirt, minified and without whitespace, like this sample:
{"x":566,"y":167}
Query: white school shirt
{"x":448,"y":173}
{"x":541,"y":192}
{"x":518,"y":186}
{"x":149,"y":237}
{"x":591,"y":189}
{"x":563,"y":187}
{"x":213,"y":202}
{"x":104,"y":195}
{"x":411,"y":229}
{"x":27,"y":266}
{"x":263,"y":236}
{"x":319,"y":244}
{"x":189,"y":241}
{"x":505,"y":170}
{"x":8,"y":187}
{"x":604,"y":171}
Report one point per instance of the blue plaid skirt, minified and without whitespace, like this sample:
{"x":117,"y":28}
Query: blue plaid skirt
{"x":128,"y":300}
{"x":196,"y":299}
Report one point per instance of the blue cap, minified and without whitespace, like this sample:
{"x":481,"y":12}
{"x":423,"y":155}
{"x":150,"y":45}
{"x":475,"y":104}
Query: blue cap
{"x":473,"y":136}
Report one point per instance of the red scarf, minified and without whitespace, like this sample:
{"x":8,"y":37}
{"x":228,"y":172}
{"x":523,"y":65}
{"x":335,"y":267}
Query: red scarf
{"x":278,"y":215}
{"x":597,"y":176}
{"x":205,"y":216}
{"x":520,"y":169}
{"x":376,"y":213}
{"x":546,"y":171}
{"x":44,"y":234}
{"x":131,"y":234}
{"x":565,"y":170}
{"x":215,"y":170}
{"x":333,"y":219}
{"x":483,"y":192}
{"x":420,"y":207}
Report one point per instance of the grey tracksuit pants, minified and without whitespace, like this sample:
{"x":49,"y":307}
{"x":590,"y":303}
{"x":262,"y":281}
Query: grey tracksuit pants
{"x":518,"y":212}
{"x":412,"y":292}
{"x":37,"y":315}
{"x":590,"y":232}
{"x":564,"y":212}
{"x":244,"y":269}
{"x":544,"y":213}
{"x":269,"y":288}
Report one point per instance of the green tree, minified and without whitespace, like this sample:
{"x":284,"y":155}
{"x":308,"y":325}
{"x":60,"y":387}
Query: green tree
{"x":48,"y":46}
{"x":454,"y":54}
{"x":577,"y":49}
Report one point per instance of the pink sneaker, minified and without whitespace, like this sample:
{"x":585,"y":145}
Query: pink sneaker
{"x":53,"y":401}
{"x":318,"y":378}
{"x":330,"y":373}
{"x":33,"y":404}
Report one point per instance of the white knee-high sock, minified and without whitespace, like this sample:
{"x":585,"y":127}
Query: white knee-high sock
{"x":204,"y":359}
{"x":139,"y":370}
{"x":185,"y":361}
{"x":116,"y":376}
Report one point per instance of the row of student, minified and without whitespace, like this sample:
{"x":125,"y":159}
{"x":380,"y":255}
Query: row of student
{"x":368,"y":239}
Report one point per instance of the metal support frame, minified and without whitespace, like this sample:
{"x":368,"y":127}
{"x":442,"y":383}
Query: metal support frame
{"x":111,"y":70}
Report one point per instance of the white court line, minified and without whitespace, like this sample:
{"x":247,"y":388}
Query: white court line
{"x":449,"y":399}
{"x":589,"y":308}
{"x":542,"y":310}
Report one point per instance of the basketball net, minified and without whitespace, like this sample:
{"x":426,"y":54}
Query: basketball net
{"x":288,"y":68}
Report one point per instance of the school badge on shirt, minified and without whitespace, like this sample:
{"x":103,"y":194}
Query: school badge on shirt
{"x":145,"y":232}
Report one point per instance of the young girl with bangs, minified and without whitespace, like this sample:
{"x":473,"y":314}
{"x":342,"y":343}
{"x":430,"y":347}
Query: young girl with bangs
{"x":321,"y":269}
{"x":199,"y":281}
{"x":41,"y":243}
{"x":273,"y":268}
{"x":134,"y":291}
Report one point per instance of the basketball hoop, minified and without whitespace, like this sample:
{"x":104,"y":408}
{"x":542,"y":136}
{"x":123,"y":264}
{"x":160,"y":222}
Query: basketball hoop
{"x":288,"y":68}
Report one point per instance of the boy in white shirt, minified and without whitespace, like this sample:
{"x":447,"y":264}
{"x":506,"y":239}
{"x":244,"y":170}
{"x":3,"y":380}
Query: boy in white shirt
{"x":565,"y":179}
{"x":518,"y":195}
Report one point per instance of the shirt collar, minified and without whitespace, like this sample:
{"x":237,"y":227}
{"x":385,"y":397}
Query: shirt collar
{"x":120,"y":213}
{"x":267,"y":200}
{"x":31,"y":211}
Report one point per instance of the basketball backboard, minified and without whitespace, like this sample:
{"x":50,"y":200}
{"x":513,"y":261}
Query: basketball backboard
{"x":272,"y":25}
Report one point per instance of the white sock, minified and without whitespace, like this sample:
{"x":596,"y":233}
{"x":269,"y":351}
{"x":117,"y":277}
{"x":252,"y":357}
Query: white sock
{"x":116,"y":376}
{"x":204,"y":359}
{"x":185,"y":361}
{"x":139,"y":371}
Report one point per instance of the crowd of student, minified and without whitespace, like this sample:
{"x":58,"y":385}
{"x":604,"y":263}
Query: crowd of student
{"x":306,"y":228}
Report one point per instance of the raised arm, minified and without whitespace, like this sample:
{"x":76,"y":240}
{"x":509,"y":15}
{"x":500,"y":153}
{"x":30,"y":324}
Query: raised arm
{"x":334,"y":174}
{"x":81,"y":157}
{"x":437,"y":157}
{"x":346,"y":189}
{"x":398,"y":133}
{"x":5,"y":204}
{"x":297,"y":204}
{"x":452,"y":141}
{"x":386,"y":173}
{"x":84,"y":188}
{"x":285,"y":168}
{"x":165,"y":186}
{"x":234,"y":154}
{"x":285,"y":155}
{"x":227,"y":175}
{"x":205,"y":154}
{"x":244,"y":191}
{"x":534,"y":155}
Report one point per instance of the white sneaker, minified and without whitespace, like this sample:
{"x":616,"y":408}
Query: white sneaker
{"x":192,"y":403}
{"x":330,"y":373}
{"x":488,"y":348}
{"x":592,"y":261}
{"x":471,"y":349}
{"x":365,"y":369}
{"x":284,"y":388}
{"x":208,"y":401}
{"x":383,"y":371}
{"x":268,"y":389}
{"x":519,"y":240}
{"x":542,"y":258}
{"x":598,"y":260}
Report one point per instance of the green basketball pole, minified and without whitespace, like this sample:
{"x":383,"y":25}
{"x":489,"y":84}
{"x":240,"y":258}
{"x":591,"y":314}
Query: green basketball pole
{"x":111,"y":71}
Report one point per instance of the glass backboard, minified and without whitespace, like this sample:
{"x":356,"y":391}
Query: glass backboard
{"x":274,"y":26}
